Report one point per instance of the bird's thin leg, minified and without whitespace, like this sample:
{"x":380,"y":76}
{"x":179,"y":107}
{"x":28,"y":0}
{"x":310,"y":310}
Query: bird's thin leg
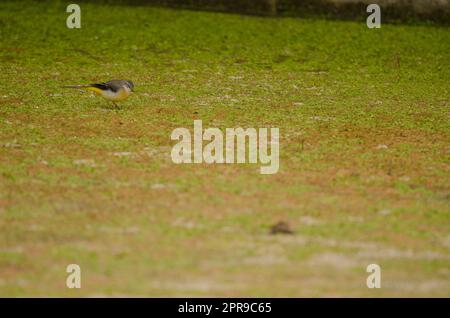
{"x":115,"y":105}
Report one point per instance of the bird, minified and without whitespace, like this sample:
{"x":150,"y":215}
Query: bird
{"x":114,"y":90}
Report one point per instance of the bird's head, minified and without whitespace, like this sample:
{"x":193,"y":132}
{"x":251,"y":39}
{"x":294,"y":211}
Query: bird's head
{"x":130,"y":85}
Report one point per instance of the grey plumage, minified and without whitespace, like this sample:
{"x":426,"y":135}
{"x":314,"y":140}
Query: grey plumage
{"x":113,"y":85}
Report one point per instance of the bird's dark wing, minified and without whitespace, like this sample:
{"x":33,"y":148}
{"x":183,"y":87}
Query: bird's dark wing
{"x":102,"y":86}
{"x":115,"y":85}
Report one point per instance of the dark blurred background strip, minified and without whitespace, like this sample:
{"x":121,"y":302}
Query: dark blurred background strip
{"x":392,"y":10}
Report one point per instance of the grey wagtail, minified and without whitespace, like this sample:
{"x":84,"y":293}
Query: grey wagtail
{"x":115,"y":90}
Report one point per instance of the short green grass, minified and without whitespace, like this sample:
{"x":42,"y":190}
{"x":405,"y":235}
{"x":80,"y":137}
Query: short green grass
{"x":364,"y":177}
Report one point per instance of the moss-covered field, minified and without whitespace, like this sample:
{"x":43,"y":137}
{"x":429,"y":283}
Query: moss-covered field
{"x":364,"y":155}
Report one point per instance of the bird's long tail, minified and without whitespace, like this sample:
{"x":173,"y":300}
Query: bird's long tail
{"x":92,"y":88}
{"x":76,"y":86}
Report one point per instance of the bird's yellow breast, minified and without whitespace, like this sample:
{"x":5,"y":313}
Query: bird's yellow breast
{"x":120,"y":95}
